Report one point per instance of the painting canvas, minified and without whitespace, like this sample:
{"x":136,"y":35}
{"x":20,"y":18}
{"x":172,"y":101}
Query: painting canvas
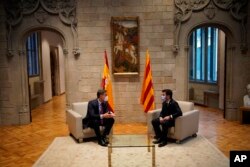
{"x":125,"y":45}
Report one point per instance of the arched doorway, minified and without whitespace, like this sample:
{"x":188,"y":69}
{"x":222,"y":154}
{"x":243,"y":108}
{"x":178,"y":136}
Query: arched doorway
{"x":45,"y":65}
{"x":214,"y":13}
{"x":45,"y":59}
{"x":22,"y":84}
{"x":206,"y":66}
{"x":22,"y":19}
{"x":233,"y":53}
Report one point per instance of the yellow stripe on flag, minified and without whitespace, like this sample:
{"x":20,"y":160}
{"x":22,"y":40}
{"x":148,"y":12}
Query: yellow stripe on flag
{"x":147,"y":93}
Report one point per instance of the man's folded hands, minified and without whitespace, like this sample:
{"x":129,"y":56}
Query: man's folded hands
{"x":109,"y":115}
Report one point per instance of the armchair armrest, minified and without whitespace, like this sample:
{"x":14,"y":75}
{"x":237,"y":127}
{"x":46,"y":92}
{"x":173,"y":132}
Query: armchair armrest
{"x":150,"y":116}
{"x":74,"y":121}
{"x":187,"y":124}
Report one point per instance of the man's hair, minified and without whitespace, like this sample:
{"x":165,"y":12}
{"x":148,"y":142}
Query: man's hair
{"x":168,"y":92}
{"x":100,"y":92}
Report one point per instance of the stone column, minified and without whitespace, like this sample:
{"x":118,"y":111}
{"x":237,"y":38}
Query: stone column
{"x":24,"y":107}
{"x":231,"y":106}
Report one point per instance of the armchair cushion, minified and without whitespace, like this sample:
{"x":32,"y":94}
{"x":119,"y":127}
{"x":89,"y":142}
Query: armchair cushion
{"x":186,"y":106}
{"x":81,"y":108}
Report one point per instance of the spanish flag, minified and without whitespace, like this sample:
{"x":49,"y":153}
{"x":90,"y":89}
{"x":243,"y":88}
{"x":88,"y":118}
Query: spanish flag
{"x":147,"y":93}
{"x":107,"y":84}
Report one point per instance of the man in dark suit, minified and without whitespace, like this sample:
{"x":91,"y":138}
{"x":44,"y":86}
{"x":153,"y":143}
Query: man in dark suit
{"x":98,"y":115}
{"x":170,"y":111}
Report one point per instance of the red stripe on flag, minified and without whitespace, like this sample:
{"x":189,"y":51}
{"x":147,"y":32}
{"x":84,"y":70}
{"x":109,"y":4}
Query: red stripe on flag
{"x":147,"y":70}
{"x":149,"y":86}
{"x":106,"y":59}
{"x":150,"y":103}
{"x":103,"y":83}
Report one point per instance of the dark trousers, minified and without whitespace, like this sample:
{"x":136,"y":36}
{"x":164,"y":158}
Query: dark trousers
{"x":107,"y":123}
{"x":161,"y":129}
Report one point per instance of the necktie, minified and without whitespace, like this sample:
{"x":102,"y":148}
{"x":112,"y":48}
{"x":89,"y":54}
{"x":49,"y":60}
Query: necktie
{"x":101,"y":111}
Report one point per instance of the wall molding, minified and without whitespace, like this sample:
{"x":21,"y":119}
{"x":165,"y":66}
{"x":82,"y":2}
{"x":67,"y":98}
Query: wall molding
{"x":17,"y":10}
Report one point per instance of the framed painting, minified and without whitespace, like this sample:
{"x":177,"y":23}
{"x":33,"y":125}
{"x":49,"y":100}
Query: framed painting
{"x":125,"y":45}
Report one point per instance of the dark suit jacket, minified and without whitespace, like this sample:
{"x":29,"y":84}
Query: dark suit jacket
{"x":93,"y":113}
{"x":172,"y":108}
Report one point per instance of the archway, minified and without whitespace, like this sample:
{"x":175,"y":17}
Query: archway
{"x":18,"y":63}
{"x":38,"y":89}
{"x":233,"y":59}
{"x":206,"y":66}
{"x":23,"y":18}
{"x":231,"y":18}
{"x":45,"y":65}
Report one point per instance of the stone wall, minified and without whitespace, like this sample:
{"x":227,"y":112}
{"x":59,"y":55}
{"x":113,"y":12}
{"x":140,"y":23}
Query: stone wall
{"x":83,"y":73}
{"x":5,"y":86}
{"x":156,"y":34}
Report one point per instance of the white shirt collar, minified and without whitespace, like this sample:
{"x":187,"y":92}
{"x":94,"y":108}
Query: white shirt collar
{"x":99,"y":102}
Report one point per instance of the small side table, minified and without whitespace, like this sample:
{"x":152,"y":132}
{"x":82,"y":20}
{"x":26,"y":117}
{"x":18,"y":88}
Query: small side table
{"x":244,"y":115}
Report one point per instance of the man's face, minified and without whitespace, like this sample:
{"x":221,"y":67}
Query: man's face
{"x":167,"y":96}
{"x":102,"y":97}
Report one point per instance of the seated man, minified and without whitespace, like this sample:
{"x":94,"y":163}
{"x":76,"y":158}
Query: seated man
{"x":170,"y":111}
{"x":98,"y":115}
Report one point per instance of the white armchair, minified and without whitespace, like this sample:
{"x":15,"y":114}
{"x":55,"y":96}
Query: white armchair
{"x":185,"y":125}
{"x":74,"y":118}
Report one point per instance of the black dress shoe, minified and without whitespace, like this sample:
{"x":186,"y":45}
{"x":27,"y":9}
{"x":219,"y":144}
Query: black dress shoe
{"x":106,"y":141}
{"x":102,"y":143}
{"x":163,"y":143}
{"x":157,"y":141}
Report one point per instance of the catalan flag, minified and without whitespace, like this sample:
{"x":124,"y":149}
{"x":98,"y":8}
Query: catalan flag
{"x":107,"y":84}
{"x":147,"y":93}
